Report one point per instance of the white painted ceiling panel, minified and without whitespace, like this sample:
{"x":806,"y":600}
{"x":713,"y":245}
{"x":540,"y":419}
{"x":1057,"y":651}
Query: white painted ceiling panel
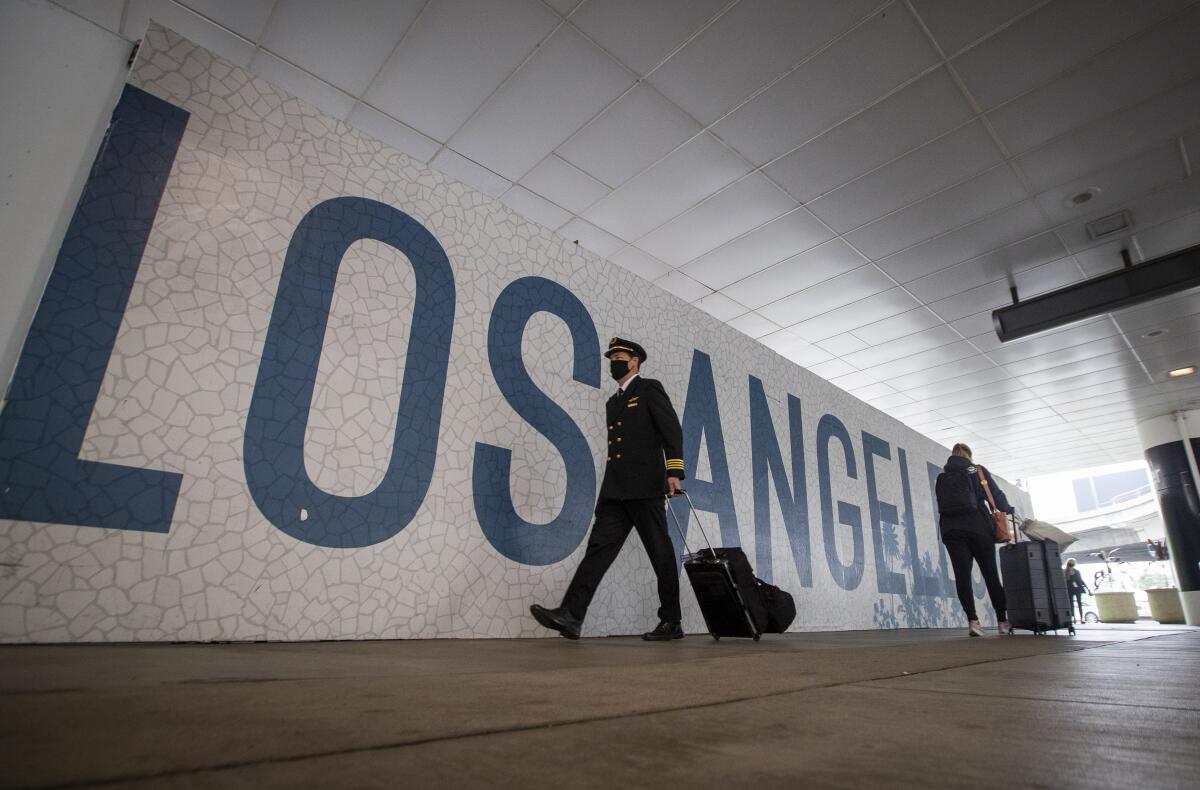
{"x":640,"y":34}
{"x":591,"y":238}
{"x":391,"y":132}
{"x":635,"y":132}
{"x":899,"y":326}
{"x":842,"y":344}
{"x":893,"y":301}
{"x":245,"y":17}
{"x":198,"y":27}
{"x":1050,"y":41}
{"x":735,"y":210}
{"x":924,"y":340}
{"x":940,"y":213}
{"x":826,"y":296}
{"x":754,"y":325}
{"x":830,"y":86}
{"x":924,"y":110}
{"x":1136,"y":176}
{"x":1124,"y":76}
{"x":947,"y":161}
{"x":470,"y":173}
{"x":301,"y":84}
{"x":564,"y":184}
{"x":343,"y":44}
{"x":456,"y":54}
{"x":1154,"y":208}
{"x":670,"y":187}
{"x":733,"y":266}
{"x":768,"y":37}
{"x":566,"y":83}
{"x":720,"y":306}
{"x":536,"y":207}
{"x":954,"y":24}
{"x":1113,"y":138}
{"x":646,"y":266}
{"x":1012,"y":235}
{"x":934,"y":356}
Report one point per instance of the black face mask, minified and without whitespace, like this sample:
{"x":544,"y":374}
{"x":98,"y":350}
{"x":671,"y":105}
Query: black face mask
{"x":619,"y":368}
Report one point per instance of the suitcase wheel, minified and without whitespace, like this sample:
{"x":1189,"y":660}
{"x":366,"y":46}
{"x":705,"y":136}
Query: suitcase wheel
{"x":757,"y":637}
{"x":716,"y":638}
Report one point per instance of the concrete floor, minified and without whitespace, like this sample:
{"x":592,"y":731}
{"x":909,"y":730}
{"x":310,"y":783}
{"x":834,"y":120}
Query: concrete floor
{"x":1112,"y":707}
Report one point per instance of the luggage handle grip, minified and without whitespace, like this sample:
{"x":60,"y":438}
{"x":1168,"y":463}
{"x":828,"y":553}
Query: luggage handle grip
{"x":679,"y":527}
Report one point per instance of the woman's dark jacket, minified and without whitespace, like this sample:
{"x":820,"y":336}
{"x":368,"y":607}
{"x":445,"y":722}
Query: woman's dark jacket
{"x":979,"y":522}
{"x":1075,"y":583}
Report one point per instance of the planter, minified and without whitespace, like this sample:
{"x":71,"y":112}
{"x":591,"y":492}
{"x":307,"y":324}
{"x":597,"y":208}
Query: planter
{"x":1116,"y":607}
{"x":1165,"y":605}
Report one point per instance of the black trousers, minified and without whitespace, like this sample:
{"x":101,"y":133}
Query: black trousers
{"x":1077,"y":599}
{"x":614,"y":519}
{"x":965,"y":548}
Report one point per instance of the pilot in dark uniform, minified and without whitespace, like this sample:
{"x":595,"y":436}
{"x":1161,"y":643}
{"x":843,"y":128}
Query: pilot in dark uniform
{"x":645,"y":462}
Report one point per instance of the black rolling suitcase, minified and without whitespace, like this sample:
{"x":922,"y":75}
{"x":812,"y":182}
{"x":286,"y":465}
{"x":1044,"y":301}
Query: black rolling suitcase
{"x":1035,"y":587}
{"x":725,"y":586}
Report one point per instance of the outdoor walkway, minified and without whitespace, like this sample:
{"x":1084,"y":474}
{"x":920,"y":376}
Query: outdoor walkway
{"x":1111,"y":707}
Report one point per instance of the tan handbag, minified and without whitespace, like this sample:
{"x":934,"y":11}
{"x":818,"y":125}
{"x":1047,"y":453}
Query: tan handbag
{"x":1004,"y":530}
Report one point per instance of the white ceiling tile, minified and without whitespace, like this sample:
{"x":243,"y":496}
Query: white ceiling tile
{"x":590,"y":237}
{"x":911,"y":178}
{"x":934,"y":356}
{"x":982,"y":195}
{"x":720,"y":306}
{"x":554,"y":93}
{"x":682,"y":286}
{"x":535,"y":207}
{"x":993,"y":295}
{"x":244,"y":17}
{"x":1113,"y":138}
{"x":1123,"y":76}
{"x":806,"y":356}
{"x":855,"y":380}
{"x":670,"y":187}
{"x":875,"y":389}
{"x":302,"y":85}
{"x":754,"y":325}
{"x":1057,"y":340}
{"x":564,"y":184}
{"x":776,"y":242}
{"x":393,"y":133}
{"x":1057,"y":359}
{"x":830,"y":87}
{"x":943,"y":374}
{"x":344,"y":46}
{"x":1154,"y":208}
{"x":440,"y":74}
{"x":190,"y":25}
{"x":933,"y":337}
{"x":470,"y":173}
{"x":899,"y":326}
{"x":826,"y":296}
{"x":563,"y":7}
{"x":738,"y":208}
{"x":1117,"y":184}
{"x":641,"y":34}
{"x":831,"y":369}
{"x":105,"y":13}
{"x":635,"y":132}
{"x":767,"y":36}
{"x":887,"y":403}
{"x":1170,"y":236}
{"x":1123,"y":361}
{"x":954,"y":24}
{"x":640,"y":263}
{"x":996,"y":265}
{"x":865,"y":311}
{"x":924,"y":110}
{"x":1049,"y":41}
{"x":976,"y":324}
{"x":838,"y":345}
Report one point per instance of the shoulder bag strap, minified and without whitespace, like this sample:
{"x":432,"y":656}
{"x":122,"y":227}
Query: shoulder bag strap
{"x":986,"y":488}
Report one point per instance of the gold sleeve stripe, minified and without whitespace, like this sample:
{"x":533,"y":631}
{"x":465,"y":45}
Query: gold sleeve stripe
{"x":674,"y":464}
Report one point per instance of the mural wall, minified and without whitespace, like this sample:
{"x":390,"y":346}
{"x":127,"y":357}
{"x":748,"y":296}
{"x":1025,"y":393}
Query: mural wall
{"x":286,"y":383}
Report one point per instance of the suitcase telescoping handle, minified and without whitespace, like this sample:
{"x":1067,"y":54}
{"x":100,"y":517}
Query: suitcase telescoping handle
{"x":695,"y":515}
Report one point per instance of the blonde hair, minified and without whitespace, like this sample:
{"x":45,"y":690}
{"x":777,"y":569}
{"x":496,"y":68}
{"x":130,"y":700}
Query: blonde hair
{"x":961,"y":450}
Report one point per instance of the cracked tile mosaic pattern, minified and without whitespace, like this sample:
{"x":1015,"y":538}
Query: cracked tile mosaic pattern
{"x":317,"y":345}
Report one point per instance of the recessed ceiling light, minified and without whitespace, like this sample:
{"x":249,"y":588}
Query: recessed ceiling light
{"x":1081,"y":197}
{"x":1155,"y":333}
{"x":1177,"y":372}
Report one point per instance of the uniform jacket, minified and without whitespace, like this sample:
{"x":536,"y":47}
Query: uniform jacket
{"x":645,"y":442}
{"x":979,"y":521}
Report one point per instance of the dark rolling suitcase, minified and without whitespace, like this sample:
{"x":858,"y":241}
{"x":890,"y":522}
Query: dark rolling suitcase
{"x":1035,"y":587}
{"x":725,"y":586}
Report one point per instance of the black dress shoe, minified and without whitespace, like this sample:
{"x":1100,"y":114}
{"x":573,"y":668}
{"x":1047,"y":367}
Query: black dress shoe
{"x":663,"y":632}
{"x":557,"y":620}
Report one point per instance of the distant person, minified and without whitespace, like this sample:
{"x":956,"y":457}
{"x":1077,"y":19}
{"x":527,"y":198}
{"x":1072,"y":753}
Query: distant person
{"x":969,"y":533}
{"x":1076,"y":586}
{"x":645,"y":465}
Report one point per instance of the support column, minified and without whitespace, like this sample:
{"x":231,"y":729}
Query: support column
{"x":1173,"y":467}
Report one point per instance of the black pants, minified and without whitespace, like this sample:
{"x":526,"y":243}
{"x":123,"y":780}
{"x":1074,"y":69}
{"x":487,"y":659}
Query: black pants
{"x":965,"y":548}
{"x":614,"y":519}
{"x":1077,"y":598}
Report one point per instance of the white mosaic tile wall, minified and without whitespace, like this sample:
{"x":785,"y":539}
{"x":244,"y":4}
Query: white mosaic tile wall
{"x":180,"y":379}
